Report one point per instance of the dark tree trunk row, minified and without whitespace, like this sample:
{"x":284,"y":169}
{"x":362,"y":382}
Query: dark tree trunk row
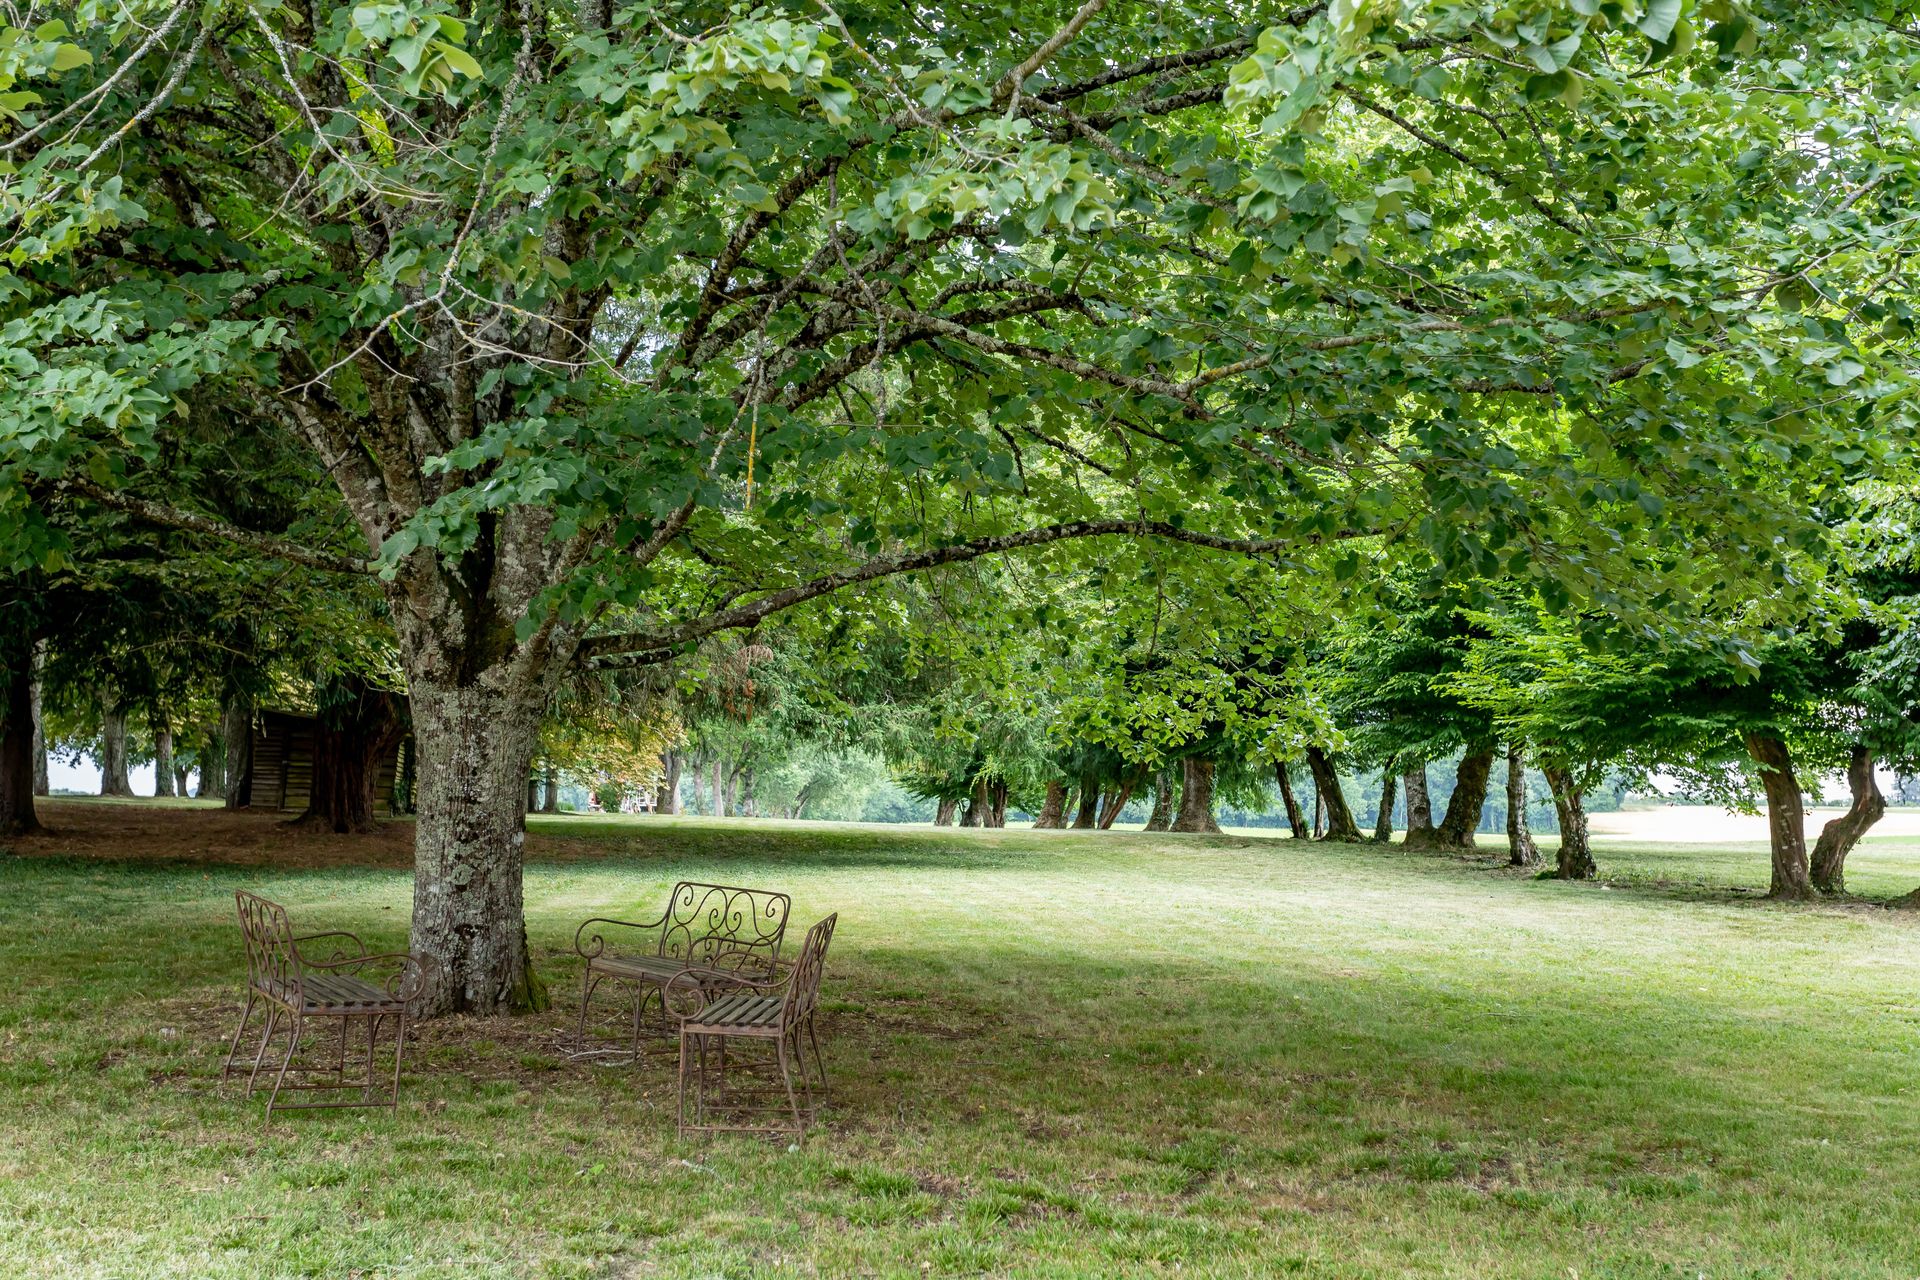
{"x":1161,"y":819}
{"x":40,"y":783}
{"x":1786,"y":816}
{"x":162,"y":754}
{"x":1521,"y":850}
{"x":349,"y":741}
{"x":113,"y":751}
{"x":1089,"y":812}
{"x":1462,"y":818}
{"x":943,"y":812}
{"x":1296,"y":820}
{"x":236,"y":723}
{"x":1383,"y":819}
{"x":1419,"y":806}
{"x":1326,"y":784}
{"x":1117,"y":798}
{"x":1053,"y":811}
{"x":978,"y":804}
{"x":667,"y":799}
{"x":1837,"y":839}
{"x":17,"y":816}
{"x":1575,"y":859}
{"x":1196,"y":798}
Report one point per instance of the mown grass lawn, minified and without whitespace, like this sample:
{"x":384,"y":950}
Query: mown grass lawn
{"x":1055,"y":1055}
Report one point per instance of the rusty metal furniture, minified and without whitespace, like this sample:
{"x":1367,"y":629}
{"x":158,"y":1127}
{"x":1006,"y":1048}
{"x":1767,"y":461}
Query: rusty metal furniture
{"x":780,"y":1012}
{"x":726,"y":933}
{"x":351,"y":986}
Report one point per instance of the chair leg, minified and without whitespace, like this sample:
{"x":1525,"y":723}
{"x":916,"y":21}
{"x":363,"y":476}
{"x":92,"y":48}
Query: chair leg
{"x":819,"y":1063}
{"x":399,"y":1052}
{"x":293,"y":1047}
{"x":260,"y":1054}
{"x":680,"y":1114}
{"x":234,"y":1047}
{"x":588,"y":985}
{"x":700,"y":1080}
{"x":366,"y":1077}
{"x":786,"y":1078}
{"x":792,"y":1040}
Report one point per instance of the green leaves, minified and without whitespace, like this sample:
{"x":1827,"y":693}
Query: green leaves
{"x":424,"y":42}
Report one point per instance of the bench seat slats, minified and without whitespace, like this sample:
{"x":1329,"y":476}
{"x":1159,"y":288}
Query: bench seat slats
{"x":738,"y":1012}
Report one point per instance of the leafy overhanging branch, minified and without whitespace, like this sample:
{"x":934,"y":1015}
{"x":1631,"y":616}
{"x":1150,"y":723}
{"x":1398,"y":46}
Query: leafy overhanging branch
{"x":659,"y":644}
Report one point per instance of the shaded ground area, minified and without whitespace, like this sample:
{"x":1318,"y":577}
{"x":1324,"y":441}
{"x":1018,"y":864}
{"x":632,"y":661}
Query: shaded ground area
{"x":1053,"y":1055}
{"x":203,"y":832}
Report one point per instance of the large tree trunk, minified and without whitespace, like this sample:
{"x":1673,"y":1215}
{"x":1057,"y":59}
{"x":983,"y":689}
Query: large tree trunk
{"x":943,"y":811}
{"x":1089,"y":813}
{"x":162,"y":754}
{"x":997,"y":804}
{"x":1383,"y":817}
{"x":349,"y":741}
{"x":1786,"y":816}
{"x":1196,"y":797}
{"x":1521,"y":850}
{"x":1420,"y":832}
{"x":549,"y":789}
{"x":213,"y":767}
{"x":1463,"y":806}
{"x":1161,"y":819}
{"x":236,"y":726}
{"x":975,"y":814}
{"x":1837,"y":838}
{"x":40,"y":784}
{"x":1326,"y":782}
{"x":113,"y":751}
{"x":17,"y":815}
{"x":667,"y":798}
{"x":719,"y":787}
{"x":1296,"y":820}
{"x":469,"y":847}
{"x":1053,"y":810}
{"x":1575,"y":859}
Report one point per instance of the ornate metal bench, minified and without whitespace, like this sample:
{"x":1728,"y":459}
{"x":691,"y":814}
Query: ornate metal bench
{"x":293,"y":985}
{"x":780,"y":1011}
{"x":729,"y":934}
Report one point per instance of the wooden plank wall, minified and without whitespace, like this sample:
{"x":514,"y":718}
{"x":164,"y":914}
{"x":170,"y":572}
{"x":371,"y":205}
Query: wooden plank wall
{"x":283,"y":765}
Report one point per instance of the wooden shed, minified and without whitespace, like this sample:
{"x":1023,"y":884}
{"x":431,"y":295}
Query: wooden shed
{"x":280,"y":771}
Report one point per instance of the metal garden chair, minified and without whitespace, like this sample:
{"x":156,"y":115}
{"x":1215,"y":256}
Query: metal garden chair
{"x":294,"y":986}
{"x":780,"y":1011}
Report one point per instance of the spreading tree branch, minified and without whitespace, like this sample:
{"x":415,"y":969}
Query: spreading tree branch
{"x":173,"y":517}
{"x":658,"y":644}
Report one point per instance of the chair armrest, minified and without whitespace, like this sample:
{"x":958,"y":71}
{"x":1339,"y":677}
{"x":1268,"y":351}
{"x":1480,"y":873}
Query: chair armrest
{"x":589,"y":947}
{"x":359,"y":947}
{"x":691,"y":990}
{"x":409,"y":976}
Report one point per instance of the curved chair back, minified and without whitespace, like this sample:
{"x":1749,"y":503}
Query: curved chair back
{"x":718,"y":926}
{"x":273,"y":963}
{"x":803,"y":985}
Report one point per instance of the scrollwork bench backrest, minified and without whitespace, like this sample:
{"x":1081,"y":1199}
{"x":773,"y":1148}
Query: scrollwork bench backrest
{"x":273,"y":962}
{"x":717,"y":926}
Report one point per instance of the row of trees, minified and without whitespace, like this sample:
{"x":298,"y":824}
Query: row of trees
{"x":563,"y":339}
